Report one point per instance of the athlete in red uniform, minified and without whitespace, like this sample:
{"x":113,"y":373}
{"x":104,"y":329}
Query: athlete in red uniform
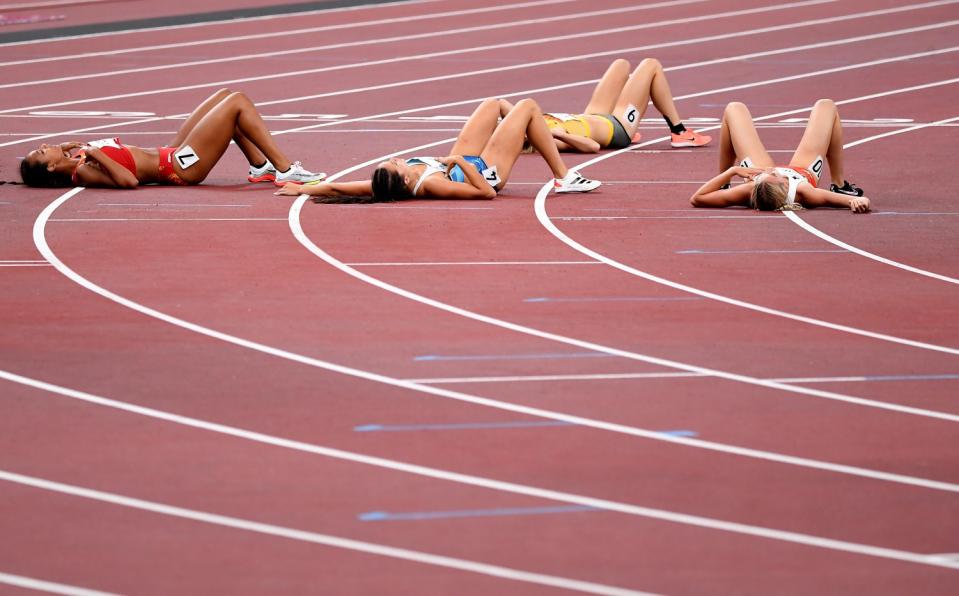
{"x":190,"y":156}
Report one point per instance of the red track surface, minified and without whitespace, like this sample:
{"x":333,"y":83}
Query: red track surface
{"x":222,"y":257}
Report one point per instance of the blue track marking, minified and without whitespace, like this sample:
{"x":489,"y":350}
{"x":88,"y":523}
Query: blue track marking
{"x":368,"y":428}
{"x":694,"y":251}
{"x":540,"y":356}
{"x":427,"y":515}
{"x":946,"y":377}
{"x":615,"y":299}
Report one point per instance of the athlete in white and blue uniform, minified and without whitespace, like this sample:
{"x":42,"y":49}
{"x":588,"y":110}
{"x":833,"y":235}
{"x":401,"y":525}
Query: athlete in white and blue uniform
{"x":479,"y":164}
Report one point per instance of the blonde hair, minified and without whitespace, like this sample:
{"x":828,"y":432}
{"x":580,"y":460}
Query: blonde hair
{"x":768,"y":196}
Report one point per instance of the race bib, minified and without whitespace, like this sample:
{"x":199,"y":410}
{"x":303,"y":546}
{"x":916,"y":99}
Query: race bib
{"x":816,"y":167}
{"x":114,"y":142}
{"x":631,"y":114}
{"x":186,"y":156}
{"x":491,"y":176}
{"x":746,"y":163}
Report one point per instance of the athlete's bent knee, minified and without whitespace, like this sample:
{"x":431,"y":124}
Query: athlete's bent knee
{"x":650,"y":64}
{"x":528,"y":105}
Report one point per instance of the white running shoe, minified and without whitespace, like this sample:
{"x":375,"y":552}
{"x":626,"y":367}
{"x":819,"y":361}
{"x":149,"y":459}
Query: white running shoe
{"x":574,"y":182}
{"x":297,"y":174}
{"x":266,"y":173}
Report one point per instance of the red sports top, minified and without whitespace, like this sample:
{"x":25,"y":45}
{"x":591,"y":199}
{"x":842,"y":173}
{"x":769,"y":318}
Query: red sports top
{"x":116,"y":151}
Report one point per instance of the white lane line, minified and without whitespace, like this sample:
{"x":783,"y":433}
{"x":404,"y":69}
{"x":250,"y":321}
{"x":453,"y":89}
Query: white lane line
{"x":41,"y":242}
{"x":664,"y":375}
{"x":503,"y":68}
{"x":369,"y":548}
{"x":30,"y":583}
{"x":24,"y":264}
{"x":753,"y":218}
{"x":863,"y":253}
{"x":174,"y":205}
{"x":488,"y":483}
{"x":545,"y":221}
{"x":448,"y":33}
{"x":526,"y":91}
{"x":301,"y":236}
{"x":117,"y":34}
{"x":470,"y":263}
{"x":95,"y":219}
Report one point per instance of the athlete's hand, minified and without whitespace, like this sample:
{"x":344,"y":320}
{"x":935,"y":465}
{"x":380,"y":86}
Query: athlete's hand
{"x":290,"y":189}
{"x":450,"y":160}
{"x":67,"y":147}
{"x":859,"y":204}
{"x":747,"y":173}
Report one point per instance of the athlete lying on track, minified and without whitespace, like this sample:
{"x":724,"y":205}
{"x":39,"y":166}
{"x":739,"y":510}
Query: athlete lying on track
{"x":188,"y":159}
{"x":770,"y":188}
{"x":478,"y":166}
{"x":614,"y":111}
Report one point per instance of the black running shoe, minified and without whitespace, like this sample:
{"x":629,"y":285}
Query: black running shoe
{"x":848,"y":188}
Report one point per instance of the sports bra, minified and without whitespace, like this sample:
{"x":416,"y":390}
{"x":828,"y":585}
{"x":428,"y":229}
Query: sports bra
{"x":116,"y":151}
{"x":574,"y":124}
{"x":433,"y":166}
{"x":794,"y":177}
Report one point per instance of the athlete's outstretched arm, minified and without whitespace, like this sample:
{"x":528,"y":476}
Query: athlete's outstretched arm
{"x":820,"y":197}
{"x":359,"y":188}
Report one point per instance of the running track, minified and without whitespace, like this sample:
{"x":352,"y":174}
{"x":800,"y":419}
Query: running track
{"x":216,"y":390}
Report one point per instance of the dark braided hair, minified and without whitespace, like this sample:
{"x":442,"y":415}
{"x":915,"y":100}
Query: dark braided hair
{"x":35,"y":173}
{"x":388,"y":186}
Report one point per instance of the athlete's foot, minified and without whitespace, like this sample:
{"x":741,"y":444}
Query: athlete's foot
{"x":574,"y":182}
{"x":848,"y":188}
{"x":689,"y":138}
{"x":264,"y":173}
{"x":297,"y":174}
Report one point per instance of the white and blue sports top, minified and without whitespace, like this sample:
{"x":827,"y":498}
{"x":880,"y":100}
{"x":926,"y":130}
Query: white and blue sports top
{"x":433,"y":166}
{"x":456,"y":174}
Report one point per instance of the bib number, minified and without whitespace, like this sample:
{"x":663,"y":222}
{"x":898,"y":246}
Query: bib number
{"x":185,"y":156}
{"x":816,"y":168}
{"x":632,"y":114}
{"x":491,"y":176}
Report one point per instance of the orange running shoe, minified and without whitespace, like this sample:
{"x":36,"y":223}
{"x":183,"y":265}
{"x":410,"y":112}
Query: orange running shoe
{"x":689,"y":138}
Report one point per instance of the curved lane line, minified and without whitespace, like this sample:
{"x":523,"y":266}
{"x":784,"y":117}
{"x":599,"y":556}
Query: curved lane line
{"x":317,"y":538}
{"x":793,"y":217}
{"x":41,"y":244}
{"x":546,"y":222}
{"x":487,"y":483}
